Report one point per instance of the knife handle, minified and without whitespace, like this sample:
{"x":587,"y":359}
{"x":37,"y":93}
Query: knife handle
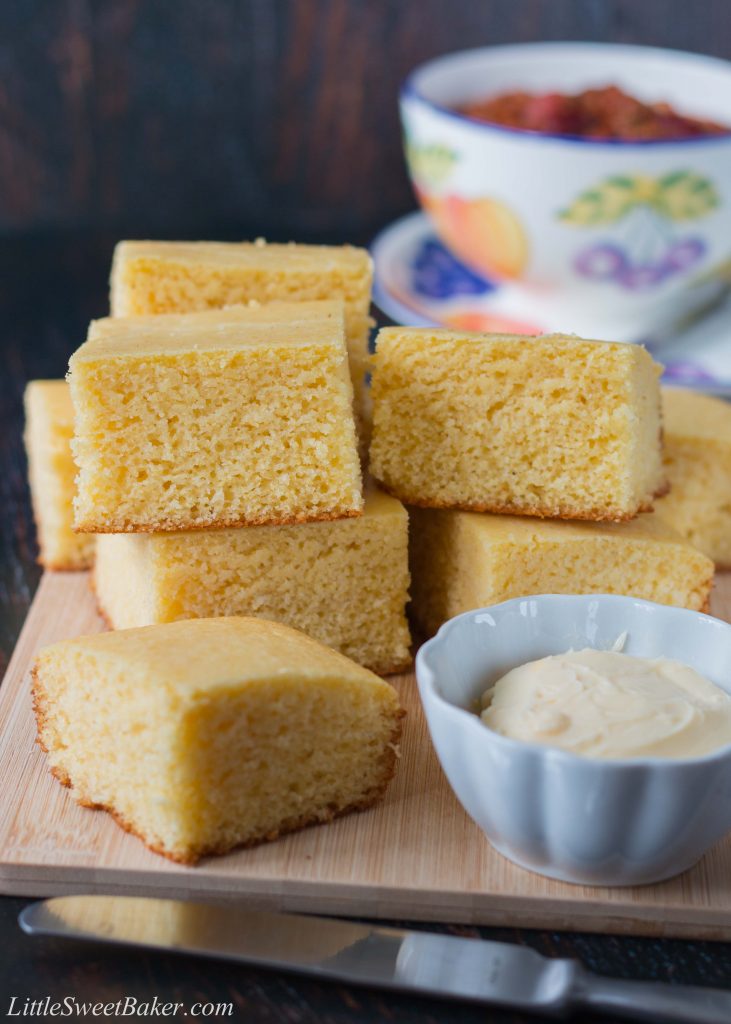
{"x":653,"y":1001}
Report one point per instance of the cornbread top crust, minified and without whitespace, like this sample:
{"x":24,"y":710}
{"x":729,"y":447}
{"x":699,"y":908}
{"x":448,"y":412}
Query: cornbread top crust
{"x":236,"y":327}
{"x":688,"y":415}
{"x":527,"y":531}
{"x":391,"y":335}
{"x":205,"y":656}
{"x":275,"y":256}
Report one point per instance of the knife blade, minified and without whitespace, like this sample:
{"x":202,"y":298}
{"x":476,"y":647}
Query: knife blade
{"x":423,"y":963}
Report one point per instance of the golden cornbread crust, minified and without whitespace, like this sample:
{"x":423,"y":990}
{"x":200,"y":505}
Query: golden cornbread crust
{"x":389,"y":770}
{"x":37,"y":693}
{"x":706,"y":587}
{"x":62,"y":566}
{"x":392,"y":668}
{"x":51,"y":473}
{"x":268,"y":837}
{"x":101,"y":611}
{"x":697,"y":457}
{"x":80,"y":563}
{"x":560,"y":512}
{"x":170,"y":526}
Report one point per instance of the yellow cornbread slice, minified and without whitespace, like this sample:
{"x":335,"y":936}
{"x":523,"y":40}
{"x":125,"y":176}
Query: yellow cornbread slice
{"x":204,"y":735}
{"x":181,"y":277}
{"x":549,"y":426}
{"x":226,"y":418}
{"x":466,"y":560}
{"x":698,"y":463}
{"x":49,"y":427}
{"x":345,"y":582}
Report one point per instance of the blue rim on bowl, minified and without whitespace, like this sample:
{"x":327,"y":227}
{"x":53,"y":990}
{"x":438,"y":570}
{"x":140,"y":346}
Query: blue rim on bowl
{"x":411,"y":90}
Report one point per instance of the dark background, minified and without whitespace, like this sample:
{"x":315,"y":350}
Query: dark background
{"x":231,"y":117}
{"x":234,"y":118}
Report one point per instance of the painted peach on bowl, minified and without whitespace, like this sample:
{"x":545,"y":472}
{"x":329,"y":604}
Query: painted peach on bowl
{"x":483,"y":232}
{"x":490,"y":323}
{"x":621,"y":235}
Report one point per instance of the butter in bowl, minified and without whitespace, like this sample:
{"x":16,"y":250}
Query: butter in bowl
{"x":626,"y":783}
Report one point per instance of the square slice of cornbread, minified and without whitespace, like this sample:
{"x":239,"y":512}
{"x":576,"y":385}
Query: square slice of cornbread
{"x":203,"y":735}
{"x":49,"y":427}
{"x":698,"y":463}
{"x":226,"y":418}
{"x":345,"y":582}
{"x":181,"y":277}
{"x":548,"y":426}
{"x":466,"y":560}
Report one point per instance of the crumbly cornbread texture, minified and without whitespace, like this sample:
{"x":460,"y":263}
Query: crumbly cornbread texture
{"x":207,"y":734}
{"x":345,"y":582}
{"x":49,"y":427}
{"x":180,"y":277}
{"x":466,"y":560}
{"x":549,"y":426}
{"x":698,"y":463}
{"x":226,"y":418}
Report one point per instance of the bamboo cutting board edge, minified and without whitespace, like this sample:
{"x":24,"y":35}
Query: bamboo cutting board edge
{"x":417,"y":856}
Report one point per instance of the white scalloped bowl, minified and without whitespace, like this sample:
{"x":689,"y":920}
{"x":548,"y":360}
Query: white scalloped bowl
{"x":574,"y":818}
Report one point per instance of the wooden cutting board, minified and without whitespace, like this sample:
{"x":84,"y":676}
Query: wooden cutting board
{"x":416,"y":856}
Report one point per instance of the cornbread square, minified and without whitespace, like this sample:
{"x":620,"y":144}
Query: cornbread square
{"x":226,"y":418}
{"x":49,"y":426}
{"x":203,"y":735}
{"x":548,"y":426}
{"x":466,"y":560}
{"x":345,"y":582}
{"x":181,"y":277}
{"x":698,"y":464}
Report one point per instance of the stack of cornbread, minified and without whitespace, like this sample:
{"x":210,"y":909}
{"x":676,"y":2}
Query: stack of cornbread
{"x":192,"y":418}
{"x":530,"y":465}
{"x":218,"y":469}
{"x":218,"y":417}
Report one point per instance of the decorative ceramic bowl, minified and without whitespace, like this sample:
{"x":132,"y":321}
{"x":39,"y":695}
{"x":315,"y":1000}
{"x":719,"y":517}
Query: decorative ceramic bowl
{"x":629,"y":234}
{"x":578,"y":819}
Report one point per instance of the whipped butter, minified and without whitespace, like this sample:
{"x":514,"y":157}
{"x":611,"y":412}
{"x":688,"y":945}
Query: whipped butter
{"x":610,"y":705}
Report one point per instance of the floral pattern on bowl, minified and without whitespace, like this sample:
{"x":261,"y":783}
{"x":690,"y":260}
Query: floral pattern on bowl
{"x":437,"y":274}
{"x":645,"y":250}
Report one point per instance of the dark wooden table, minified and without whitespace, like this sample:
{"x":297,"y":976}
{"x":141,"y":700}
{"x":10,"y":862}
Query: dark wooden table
{"x":49,"y":289}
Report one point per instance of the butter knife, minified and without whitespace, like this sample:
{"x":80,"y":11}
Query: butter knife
{"x":423,"y":963}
